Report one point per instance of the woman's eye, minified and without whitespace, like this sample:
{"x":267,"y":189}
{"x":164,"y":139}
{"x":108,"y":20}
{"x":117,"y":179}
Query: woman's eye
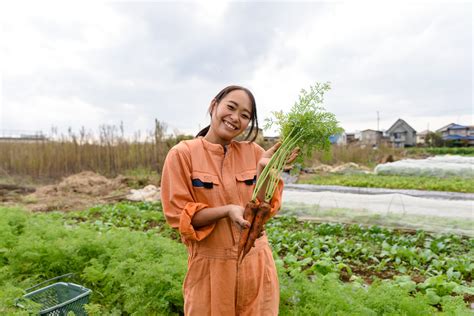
{"x":230,"y":107}
{"x":246,"y":117}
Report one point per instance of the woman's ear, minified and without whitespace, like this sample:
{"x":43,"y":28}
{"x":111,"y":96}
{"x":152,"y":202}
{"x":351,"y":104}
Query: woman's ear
{"x":212,"y":106}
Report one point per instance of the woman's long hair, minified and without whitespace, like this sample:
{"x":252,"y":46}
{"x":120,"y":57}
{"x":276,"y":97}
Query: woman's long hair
{"x":254,"y":122}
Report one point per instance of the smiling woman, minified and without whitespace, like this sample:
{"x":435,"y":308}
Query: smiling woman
{"x":206,"y":184}
{"x":234,"y":108}
{"x":232,"y":115}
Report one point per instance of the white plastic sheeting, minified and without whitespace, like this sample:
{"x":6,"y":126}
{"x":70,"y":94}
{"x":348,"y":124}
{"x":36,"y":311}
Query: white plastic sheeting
{"x":393,"y":210}
{"x":150,"y":193}
{"x":438,"y":166}
{"x":384,"y":203}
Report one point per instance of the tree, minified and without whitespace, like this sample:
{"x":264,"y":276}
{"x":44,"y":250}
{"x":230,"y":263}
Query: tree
{"x":434,"y":140}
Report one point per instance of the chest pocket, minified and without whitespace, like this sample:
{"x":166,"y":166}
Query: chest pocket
{"x":206,"y":187}
{"x":246,"y":183}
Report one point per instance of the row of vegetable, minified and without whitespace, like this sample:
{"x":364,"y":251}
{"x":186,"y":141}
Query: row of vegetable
{"x":441,"y":262}
{"x":133,"y":262}
{"x":306,"y":246}
{"x":451,"y":184}
{"x":465,"y":151}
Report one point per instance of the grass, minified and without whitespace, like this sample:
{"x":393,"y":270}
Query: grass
{"x":451,"y":184}
{"x":140,"y":177}
{"x":463,"y":151}
{"x":109,"y":154}
{"x":362,"y":155}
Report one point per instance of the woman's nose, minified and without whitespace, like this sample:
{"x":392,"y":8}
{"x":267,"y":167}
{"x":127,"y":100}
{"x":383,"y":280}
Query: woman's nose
{"x":234,"y":116}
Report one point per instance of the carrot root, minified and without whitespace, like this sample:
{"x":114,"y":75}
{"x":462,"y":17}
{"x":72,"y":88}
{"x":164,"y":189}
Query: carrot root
{"x":249,"y":215}
{"x":262,"y":215}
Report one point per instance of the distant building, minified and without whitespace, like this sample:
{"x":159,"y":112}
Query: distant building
{"x":421,"y":137}
{"x":444,"y":131}
{"x":339,"y":139}
{"x":350,"y":138}
{"x":22,"y":136}
{"x":457,"y":132}
{"x":271,"y":139}
{"x":370,"y":137}
{"x":401,"y":134}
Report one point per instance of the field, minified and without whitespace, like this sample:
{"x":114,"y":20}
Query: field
{"x":463,"y":151}
{"x":395,"y":220}
{"x":135,"y":263}
{"x":452,"y":184}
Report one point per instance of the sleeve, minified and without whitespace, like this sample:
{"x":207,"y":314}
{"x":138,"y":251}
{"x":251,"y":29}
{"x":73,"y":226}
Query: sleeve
{"x":276,"y":200}
{"x":179,"y":205}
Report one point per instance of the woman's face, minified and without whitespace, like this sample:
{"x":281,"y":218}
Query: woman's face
{"x":230,"y":117}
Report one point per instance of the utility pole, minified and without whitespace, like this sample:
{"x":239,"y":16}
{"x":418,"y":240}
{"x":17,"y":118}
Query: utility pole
{"x":378,"y":121}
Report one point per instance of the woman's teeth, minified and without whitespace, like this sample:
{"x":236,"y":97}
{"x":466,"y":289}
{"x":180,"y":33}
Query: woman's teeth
{"x":230,"y":125}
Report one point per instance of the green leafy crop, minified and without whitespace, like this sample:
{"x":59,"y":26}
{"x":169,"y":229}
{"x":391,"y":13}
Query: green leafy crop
{"x":136,"y":267}
{"x":307,"y":126}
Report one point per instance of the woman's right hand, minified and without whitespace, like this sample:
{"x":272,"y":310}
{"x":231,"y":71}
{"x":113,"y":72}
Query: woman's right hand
{"x":236,"y":214}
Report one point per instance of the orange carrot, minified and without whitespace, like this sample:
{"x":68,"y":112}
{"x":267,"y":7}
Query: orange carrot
{"x":257,"y":227}
{"x":249,"y":215}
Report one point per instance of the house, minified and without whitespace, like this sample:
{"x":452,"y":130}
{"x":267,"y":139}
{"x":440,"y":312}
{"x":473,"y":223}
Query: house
{"x":370,"y":137}
{"x":421,"y":137}
{"x":21,"y":136}
{"x":401,"y":134}
{"x":457,"y":133}
{"x":339,"y":139}
{"x":271,"y":139}
{"x":350,"y":138}
{"x":444,"y":131}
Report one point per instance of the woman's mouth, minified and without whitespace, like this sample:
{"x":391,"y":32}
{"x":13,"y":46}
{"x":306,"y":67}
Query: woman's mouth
{"x":230,"y":126}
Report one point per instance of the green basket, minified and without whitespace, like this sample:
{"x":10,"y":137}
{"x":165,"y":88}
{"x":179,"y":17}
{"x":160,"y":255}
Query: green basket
{"x":59,"y":298}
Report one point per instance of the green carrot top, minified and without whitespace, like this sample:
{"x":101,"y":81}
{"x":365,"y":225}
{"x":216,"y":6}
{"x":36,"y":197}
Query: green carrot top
{"x":307,"y":126}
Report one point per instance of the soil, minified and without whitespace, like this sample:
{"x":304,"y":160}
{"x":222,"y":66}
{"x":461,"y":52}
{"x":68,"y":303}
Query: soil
{"x":366,"y":274}
{"x":76,"y":192}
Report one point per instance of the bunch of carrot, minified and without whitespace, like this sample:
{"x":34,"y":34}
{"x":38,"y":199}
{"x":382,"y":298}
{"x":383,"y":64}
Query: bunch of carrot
{"x":256,"y":214}
{"x":307,"y":126}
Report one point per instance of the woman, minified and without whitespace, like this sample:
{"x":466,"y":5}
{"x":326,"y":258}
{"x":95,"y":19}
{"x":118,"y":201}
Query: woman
{"x":206,"y":183}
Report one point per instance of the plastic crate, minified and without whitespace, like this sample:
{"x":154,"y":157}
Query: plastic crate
{"x":58,"y":298}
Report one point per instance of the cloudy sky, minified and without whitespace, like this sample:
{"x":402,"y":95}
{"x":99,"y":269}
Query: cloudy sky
{"x":72,"y":64}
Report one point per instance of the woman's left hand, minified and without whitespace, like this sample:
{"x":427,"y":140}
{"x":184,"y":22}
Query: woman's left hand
{"x":267,"y":155}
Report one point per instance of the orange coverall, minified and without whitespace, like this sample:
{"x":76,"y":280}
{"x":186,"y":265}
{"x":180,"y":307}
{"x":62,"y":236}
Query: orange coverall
{"x":198,"y":174}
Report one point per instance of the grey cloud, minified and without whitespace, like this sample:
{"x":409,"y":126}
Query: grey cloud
{"x":169,"y":64}
{"x":433,"y":80}
{"x":167,"y":48}
{"x":233,"y":49}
